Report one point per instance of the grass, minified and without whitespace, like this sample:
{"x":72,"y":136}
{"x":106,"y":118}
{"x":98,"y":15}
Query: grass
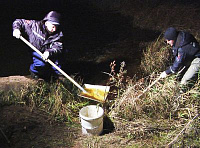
{"x":153,"y":120}
{"x":156,"y":57}
{"x":54,"y":98}
{"x":165,"y":110}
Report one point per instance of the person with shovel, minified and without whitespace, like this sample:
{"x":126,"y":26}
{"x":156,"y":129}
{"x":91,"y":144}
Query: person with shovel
{"x":186,"y":52}
{"x":46,"y":36}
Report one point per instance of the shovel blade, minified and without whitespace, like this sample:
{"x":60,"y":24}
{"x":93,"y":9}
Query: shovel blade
{"x":95,"y":92}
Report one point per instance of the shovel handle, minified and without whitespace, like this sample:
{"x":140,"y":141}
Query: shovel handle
{"x":54,"y":65}
{"x":30,"y":45}
{"x":153,"y":83}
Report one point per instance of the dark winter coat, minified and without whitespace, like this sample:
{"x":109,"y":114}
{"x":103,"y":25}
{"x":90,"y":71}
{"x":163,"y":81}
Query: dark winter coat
{"x":185,"y":49}
{"x":39,"y":37}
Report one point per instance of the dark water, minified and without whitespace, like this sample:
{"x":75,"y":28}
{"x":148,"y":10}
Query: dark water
{"x":89,"y":34}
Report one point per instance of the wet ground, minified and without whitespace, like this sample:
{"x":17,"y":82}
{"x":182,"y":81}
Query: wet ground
{"x":20,"y":127}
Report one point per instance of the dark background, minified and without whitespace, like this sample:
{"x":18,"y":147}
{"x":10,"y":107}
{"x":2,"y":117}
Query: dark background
{"x":14,"y":54}
{"x":86,"y":28}
{"x":91,"y":31}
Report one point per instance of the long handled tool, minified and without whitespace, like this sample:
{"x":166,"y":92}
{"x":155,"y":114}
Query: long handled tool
{"x":54,"y":65}
{"x":97,"y":93}
{"x":144,"y":91}
{"x":153,"y":83}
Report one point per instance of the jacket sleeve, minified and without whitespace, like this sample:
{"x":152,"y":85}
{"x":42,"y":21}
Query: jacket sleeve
{"x":55,"y":47}
{"x":178,"y":62}
{"x":23,"y":25}
{"x":18,"y":24}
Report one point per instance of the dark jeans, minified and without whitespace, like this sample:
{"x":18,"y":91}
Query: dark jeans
{"x":42,"y":68}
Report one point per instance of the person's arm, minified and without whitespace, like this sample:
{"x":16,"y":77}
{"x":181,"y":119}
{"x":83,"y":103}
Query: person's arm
{"x":17,"y":26}
{"x":178,"y":62}
{"x":56,"y":46}
{"x":179,"y":59}
{"x":20,"y":25}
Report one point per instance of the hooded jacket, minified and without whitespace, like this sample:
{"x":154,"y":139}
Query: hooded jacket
{"x":38,"y":35}
{"x":185,"y":49}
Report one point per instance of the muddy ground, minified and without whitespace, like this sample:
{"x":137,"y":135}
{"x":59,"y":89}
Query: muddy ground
{"x":22,"y":127}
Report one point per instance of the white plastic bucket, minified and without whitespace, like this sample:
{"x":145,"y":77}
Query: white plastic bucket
{"x":91,"y":118}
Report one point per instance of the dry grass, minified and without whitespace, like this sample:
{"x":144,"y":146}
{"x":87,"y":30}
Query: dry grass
{"x":156,"y":57}
{"x":158,"y":115}
{"x":60,"y":100}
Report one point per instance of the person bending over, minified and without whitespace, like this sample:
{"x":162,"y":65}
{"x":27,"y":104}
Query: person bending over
{"x":46,"y":36}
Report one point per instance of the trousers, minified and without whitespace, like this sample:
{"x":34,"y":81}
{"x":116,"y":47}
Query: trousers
{"x":42,"y":68}
{"x":191,"y":72}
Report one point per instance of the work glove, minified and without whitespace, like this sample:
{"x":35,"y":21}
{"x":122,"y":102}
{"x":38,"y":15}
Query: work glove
{"x":45,"y":56}
{"x":16,"y":33}
{"x":163,"y":74}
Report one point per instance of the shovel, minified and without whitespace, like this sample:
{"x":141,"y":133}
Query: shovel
{"x":93,"y":92}
{"x":143,"y":92}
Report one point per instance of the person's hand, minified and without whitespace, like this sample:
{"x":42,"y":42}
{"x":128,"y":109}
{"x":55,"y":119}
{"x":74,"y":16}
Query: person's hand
{"x":45,"y":55}
{"x":163,"y":74}
{"x":16,"y":33}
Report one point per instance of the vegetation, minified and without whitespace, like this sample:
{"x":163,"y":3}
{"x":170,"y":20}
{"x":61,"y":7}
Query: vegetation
{"x":60,"y":100}
{"x":159,"y":114}
{"x":162,"y":116}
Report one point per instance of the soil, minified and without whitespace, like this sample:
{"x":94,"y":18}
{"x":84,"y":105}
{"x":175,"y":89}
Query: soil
{"x":14,"y":82}
{"x":22,"y":127}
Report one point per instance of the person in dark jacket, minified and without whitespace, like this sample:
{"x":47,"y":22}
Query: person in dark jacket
{"x":186,"y":52}
{"x":46,"y":36}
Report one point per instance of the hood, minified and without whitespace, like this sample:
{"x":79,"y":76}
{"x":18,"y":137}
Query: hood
{"x":53,"y":17}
